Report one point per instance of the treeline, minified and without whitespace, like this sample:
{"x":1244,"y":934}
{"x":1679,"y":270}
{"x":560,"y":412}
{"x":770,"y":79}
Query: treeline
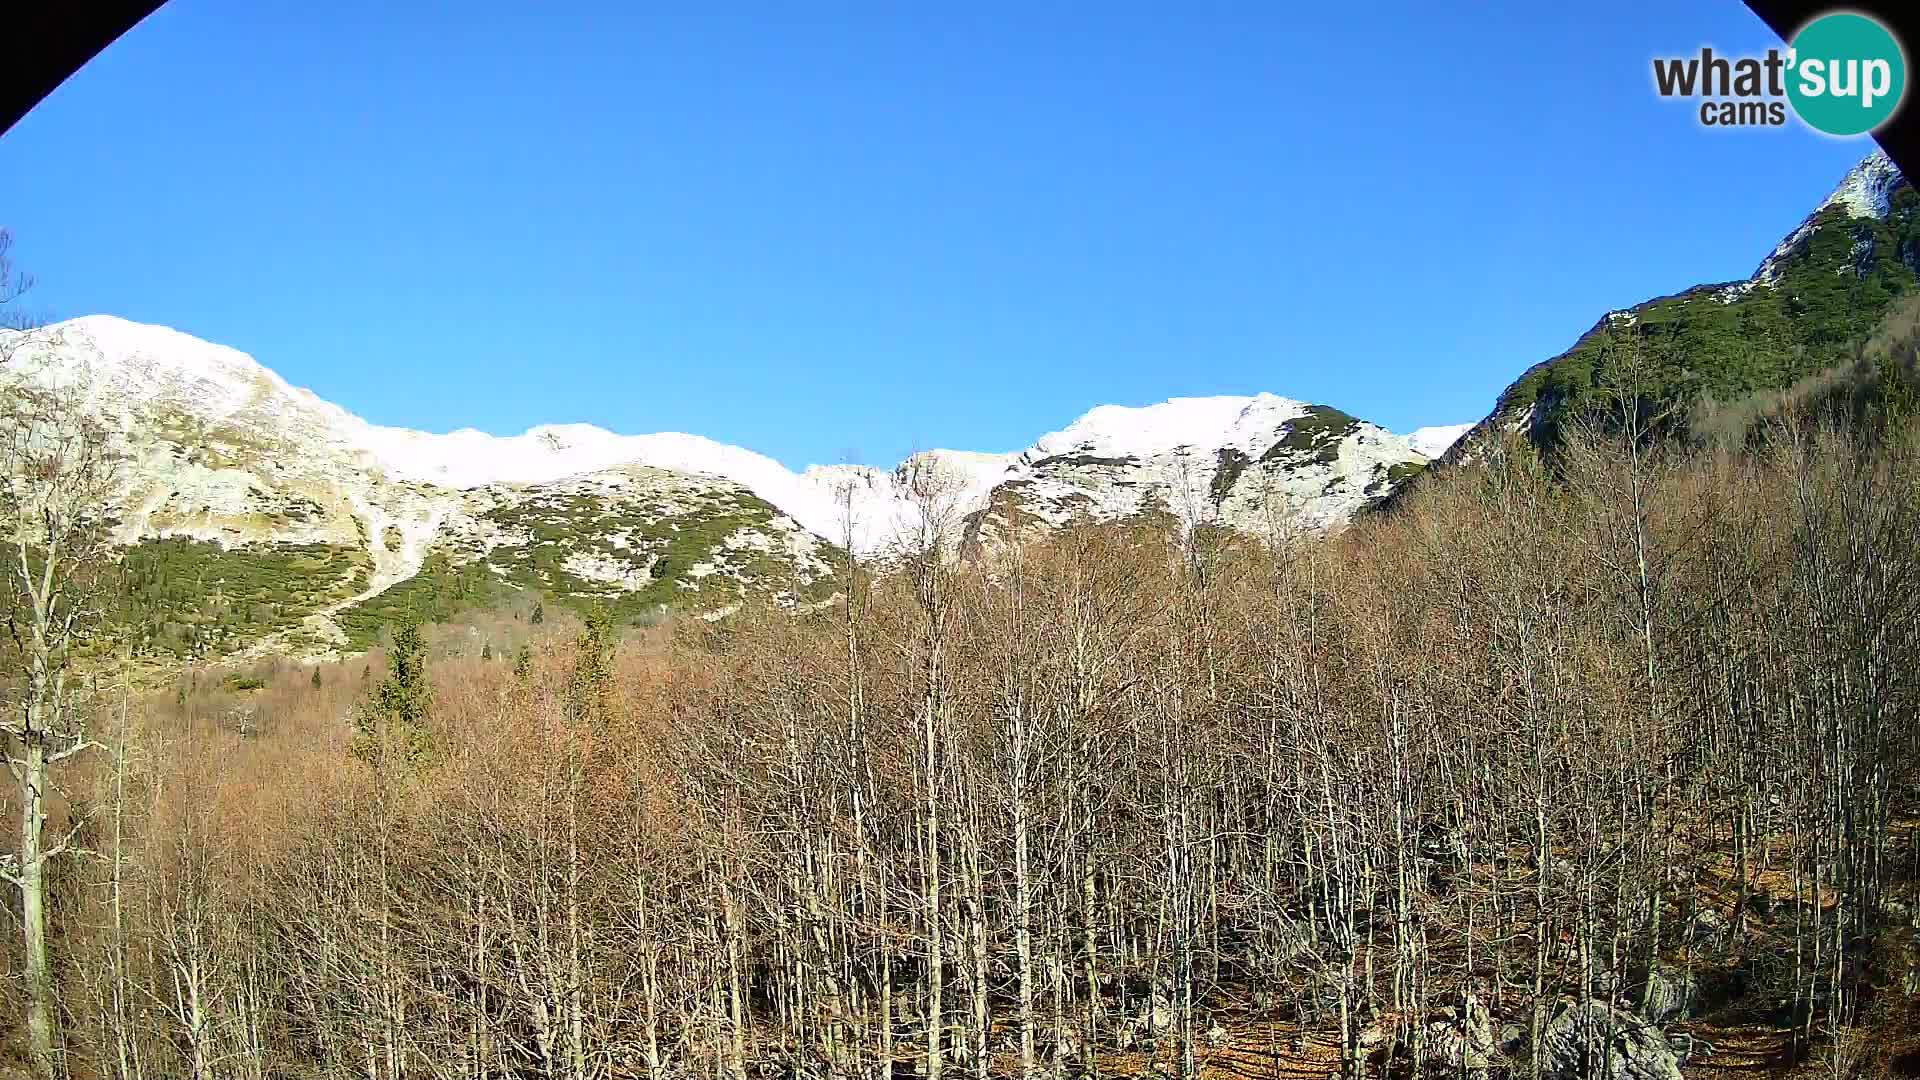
{"x":1524,"y":777}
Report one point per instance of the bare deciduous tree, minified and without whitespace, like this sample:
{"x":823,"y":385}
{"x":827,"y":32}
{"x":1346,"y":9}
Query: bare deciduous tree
{"x":58,"y":477}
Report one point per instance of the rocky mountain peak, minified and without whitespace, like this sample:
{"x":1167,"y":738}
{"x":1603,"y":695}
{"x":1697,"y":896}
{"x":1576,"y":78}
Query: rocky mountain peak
{"x":1866,"y":191}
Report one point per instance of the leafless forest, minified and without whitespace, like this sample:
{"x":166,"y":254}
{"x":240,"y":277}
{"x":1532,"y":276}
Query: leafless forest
{"x":1511,"y":780}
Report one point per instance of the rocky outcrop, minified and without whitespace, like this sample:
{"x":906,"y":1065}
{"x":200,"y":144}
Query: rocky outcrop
{"x":1463,"y":1043}
{"x":1592,"y":1040}
{"x":1671,"y":993}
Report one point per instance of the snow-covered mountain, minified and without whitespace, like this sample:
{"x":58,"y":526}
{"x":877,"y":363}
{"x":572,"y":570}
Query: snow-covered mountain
{"x":222,"y":450}
{"x":1263,"y":464}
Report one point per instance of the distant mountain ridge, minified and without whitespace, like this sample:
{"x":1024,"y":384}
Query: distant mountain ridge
{"x":1262,"y":464}
{"x":227,"y":456}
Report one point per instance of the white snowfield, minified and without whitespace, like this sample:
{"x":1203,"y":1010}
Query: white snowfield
{"x":1434,"y":441}
{"x":140,"y":371}
{"x":1210,"y":422}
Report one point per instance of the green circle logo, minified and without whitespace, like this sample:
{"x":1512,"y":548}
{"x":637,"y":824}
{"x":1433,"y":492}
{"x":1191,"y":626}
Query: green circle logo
{"x":1847,"y":74}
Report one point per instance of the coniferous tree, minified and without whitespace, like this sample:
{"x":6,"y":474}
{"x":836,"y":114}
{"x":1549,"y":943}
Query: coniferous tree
{"x":395,"y":715}
{"x":593,"y":671}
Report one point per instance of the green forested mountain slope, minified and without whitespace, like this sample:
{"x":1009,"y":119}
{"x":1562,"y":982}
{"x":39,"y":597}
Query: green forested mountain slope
{"x":1811,"y":304}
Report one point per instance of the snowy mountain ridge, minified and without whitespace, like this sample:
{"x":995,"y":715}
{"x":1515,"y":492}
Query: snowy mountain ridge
{"x":225,"y":452}
{"x":134,"y":364}
{"x":1264,"y":464}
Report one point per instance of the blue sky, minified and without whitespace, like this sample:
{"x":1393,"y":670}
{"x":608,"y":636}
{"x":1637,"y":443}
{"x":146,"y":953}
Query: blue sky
{"x":848,"y":230}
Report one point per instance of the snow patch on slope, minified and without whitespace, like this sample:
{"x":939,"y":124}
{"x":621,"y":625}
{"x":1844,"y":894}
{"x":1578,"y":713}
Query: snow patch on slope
{"x":542,"y":455}
{"x":1143,"y":431}
{"x":886,"y":504}
{"x":1434,"y":441}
